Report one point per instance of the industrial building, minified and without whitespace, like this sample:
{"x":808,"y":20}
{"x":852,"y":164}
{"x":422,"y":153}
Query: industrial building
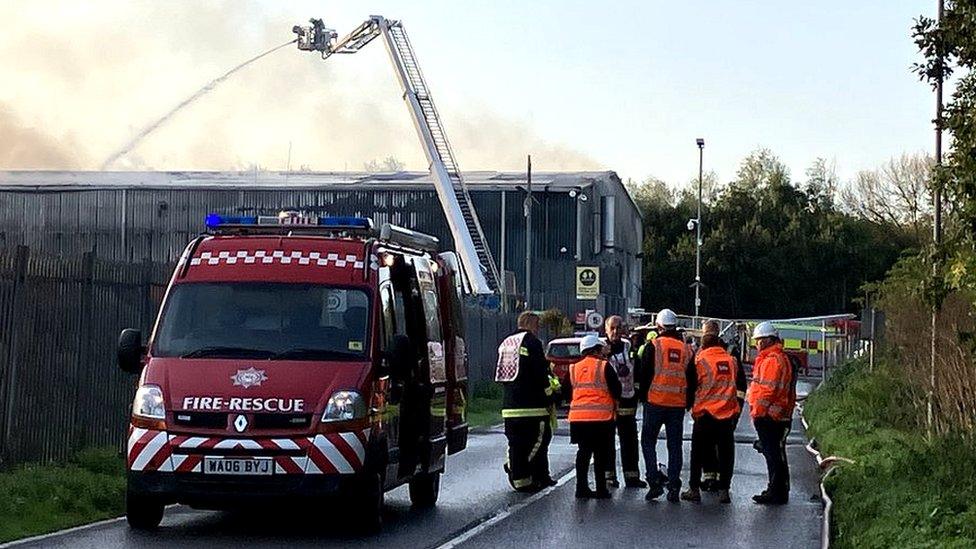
{"x":580,"y":219}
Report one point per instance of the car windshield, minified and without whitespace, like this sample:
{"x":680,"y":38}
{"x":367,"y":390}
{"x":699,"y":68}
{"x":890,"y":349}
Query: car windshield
{"x":564,"y":350}
{"x":261,"y":320}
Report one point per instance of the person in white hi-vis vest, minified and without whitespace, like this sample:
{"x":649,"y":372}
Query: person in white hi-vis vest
{"x":618,"y":355}
{"x":523,"y":371}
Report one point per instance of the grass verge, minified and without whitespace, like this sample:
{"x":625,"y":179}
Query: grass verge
{"x":485,"y":405}
{"x":903,"y":491}
{"x":43,"y":498}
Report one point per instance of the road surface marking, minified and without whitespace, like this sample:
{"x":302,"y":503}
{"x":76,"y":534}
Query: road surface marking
{"x":505,"y":513}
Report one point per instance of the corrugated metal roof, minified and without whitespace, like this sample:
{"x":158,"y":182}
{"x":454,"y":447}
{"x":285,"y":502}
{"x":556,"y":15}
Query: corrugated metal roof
{"x":482,"y":180}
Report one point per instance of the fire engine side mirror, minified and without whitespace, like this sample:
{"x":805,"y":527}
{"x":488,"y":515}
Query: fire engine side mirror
{"x":130,"y":351}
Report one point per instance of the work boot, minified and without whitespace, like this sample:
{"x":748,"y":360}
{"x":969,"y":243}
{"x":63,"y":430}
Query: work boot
{"x":709,"y":485}
{"x":692,"y":495}
{"x":547,"y":482}
{"x":584,"y":492}
{"x":654,"y":492}
{"x":724,"y":497}
{"x":673,"y":496}
{"x":635,"y":483}
{"x":602,"y":494}
{"x":768,"y":498}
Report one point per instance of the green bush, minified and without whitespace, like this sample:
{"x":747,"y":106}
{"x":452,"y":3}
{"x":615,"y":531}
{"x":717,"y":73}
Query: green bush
{"x":902,"y":490}
{"x":43,"y":498}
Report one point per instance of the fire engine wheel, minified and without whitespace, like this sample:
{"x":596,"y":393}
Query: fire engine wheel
{"x":142,"y":512}
{"x":424,"y":488}
{"x":369,"y":511}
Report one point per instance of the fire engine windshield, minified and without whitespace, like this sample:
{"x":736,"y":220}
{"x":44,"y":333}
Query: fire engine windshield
{"x":260,"y":320}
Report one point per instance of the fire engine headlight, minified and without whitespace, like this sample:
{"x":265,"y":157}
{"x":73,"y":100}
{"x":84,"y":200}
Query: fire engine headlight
{"x":149,"y":403}
{"x":344,"y":405}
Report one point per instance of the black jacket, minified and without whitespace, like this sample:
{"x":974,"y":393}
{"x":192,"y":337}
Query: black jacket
{"x":528,"y":390}
{"x":645,"y":372}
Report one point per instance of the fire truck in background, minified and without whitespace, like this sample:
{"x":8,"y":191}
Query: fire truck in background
{"x":297,"y":358}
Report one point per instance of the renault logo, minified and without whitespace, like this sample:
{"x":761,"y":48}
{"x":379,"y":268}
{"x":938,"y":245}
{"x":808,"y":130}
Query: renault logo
{"x":240,"y":423}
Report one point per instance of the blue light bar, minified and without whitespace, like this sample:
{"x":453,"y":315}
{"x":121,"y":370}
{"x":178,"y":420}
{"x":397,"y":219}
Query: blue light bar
{"x":346,"y":221}
{"x":215,"y":220}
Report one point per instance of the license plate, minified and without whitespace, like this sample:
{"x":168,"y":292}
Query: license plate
{"x":238,"y":466}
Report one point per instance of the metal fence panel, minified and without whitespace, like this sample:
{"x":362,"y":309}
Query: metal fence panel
{"x":59,"y":388}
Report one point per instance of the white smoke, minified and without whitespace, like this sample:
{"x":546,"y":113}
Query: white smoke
{"x":81,"y":80}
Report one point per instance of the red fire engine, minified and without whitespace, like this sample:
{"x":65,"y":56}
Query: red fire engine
{"x":298,"y":358}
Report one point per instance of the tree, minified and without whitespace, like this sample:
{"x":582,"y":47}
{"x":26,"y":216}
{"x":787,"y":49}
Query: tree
{"x":762,"y":169}
{"x":770,"y":248}
{"x":389,"y":164}
{"x":822,"y":181}
{"x":896,"y":195}
{"x":950,"y":49}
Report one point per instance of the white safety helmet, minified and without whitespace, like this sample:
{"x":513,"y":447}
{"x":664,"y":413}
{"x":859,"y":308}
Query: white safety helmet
{"x":666,"y":318}
{"x":765,"y":329}
{"x":588,"y":342}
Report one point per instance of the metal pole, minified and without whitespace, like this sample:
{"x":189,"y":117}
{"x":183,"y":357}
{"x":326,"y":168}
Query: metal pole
{"x":874,"y":322}
{"x":504,"y":290}
{"x":528,"y":233}
{"x":698,"y":223}
{"x":826,"y":356}
{"x":936,"y":228}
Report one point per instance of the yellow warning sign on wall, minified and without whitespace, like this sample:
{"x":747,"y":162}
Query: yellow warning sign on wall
{"x":587,"y":282}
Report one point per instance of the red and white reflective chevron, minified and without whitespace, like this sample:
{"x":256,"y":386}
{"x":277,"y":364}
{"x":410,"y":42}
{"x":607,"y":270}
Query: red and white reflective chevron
{"x":333,"y":453}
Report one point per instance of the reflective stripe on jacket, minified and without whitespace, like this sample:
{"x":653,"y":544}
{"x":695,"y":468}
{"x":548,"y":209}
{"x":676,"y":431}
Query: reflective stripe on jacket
{"x":716,"y":392}
{"x":670,"y":385}
{"x":592,"y":400}
{"x":771,"y":392}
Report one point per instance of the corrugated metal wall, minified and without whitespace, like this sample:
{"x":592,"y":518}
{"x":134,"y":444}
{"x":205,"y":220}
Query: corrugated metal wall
{"x":133,"y":224}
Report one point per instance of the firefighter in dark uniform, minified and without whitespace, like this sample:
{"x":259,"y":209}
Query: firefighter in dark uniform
{"x":626,"y":417}
{"x":523,"y":371}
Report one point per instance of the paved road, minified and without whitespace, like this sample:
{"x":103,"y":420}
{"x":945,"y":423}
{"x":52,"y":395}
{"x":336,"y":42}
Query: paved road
{"x":474,"y":490}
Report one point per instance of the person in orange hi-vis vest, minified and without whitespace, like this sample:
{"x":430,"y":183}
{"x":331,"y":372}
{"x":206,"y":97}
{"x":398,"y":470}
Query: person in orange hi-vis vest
{"x":592,"y":410}
{"x":719,"y":390}
{"x":664,"y":379}
{"x":772,"y":395}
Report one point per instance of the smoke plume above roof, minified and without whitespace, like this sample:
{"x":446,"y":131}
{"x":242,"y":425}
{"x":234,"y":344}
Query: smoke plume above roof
{"x":81,"y":79}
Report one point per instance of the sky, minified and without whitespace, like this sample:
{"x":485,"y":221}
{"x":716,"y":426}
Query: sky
{"x":619,"y":85}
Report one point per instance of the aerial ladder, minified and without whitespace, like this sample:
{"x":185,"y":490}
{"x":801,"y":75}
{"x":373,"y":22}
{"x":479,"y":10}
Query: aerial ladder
{"x":462,"y":220}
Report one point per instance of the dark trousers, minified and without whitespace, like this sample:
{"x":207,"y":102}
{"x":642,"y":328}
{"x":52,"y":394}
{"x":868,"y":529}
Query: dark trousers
{"x":772,"y":438}
{"x":595,"y":441}
{"x":626,"y":428}
{"x":528,"y":450}
{"x":710,"y":439}
{"x":671,"y":419}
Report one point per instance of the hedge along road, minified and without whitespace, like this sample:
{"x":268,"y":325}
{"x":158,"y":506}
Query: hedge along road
{"x":478,"y":509}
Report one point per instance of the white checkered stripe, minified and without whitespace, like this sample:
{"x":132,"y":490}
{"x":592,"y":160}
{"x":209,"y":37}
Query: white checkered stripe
{"x":262,"y":257}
